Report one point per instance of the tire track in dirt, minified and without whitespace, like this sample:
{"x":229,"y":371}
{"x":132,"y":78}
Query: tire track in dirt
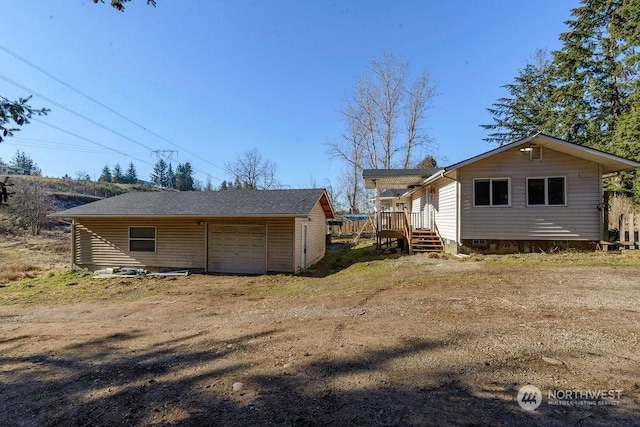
{"x":328,"y":368}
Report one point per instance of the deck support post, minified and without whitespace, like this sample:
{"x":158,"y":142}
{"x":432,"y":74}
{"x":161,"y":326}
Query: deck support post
{"x":378,"y":214}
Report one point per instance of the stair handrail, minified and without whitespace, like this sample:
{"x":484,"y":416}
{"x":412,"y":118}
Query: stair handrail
{"x":406,"y":231}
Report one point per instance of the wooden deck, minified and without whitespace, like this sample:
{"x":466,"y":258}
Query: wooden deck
{"x":401,"y":226}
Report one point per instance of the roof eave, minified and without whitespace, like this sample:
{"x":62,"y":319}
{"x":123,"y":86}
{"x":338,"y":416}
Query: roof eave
{"x":182,"y":216}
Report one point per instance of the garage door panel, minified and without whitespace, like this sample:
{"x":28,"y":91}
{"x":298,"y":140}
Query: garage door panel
{"x":237,"y":248}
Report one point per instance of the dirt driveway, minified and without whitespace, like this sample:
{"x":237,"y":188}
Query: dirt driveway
{"x":408,"y":341}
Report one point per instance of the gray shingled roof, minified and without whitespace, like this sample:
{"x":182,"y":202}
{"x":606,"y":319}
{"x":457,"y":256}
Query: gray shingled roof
{"x":205,"y":204}
{"x":380,"y":173}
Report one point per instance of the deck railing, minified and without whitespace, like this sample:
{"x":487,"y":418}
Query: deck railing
{"x":391,"y":221}
{"x":395,"y":221}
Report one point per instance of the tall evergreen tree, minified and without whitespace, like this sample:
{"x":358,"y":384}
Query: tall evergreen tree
{"x":593,"y":73}
{"x":131,"y":176}
{"x":117,"y":176}
{"x":585,"y":91}
{"x":24,"y":161}
{"x":184,"y":177}
{"x":170,"y":179}
{"x":106,"y":175}
{"x":159,"y":173}
{"x":529,"y":107}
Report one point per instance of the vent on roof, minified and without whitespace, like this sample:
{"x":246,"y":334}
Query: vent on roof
{"x":535,"y":153}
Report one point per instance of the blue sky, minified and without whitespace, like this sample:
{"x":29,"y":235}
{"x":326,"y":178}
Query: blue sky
{"x":212,"y":79}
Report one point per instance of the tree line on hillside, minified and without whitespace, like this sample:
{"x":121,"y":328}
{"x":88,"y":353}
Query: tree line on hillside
{"x":130,"y":176}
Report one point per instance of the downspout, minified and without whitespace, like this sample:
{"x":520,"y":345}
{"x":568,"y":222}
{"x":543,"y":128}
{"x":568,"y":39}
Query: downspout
{"x":206,"y":248}
{"x":73,"y":243}
{"x":604,"y":226}
{"x":377,"y":192}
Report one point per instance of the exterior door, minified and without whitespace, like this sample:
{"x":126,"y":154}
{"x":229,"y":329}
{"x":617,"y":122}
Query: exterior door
{"x":237,"y":248}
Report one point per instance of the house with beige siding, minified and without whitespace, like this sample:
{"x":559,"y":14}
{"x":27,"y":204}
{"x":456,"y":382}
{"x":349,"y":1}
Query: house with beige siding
{"x":533,"y":193}
{"x":241,"y":232}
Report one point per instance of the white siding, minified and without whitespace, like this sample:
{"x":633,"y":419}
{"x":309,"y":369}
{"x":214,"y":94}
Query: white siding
{"x":445,"y":208}
{"x":419,"y":209}
{"x":578,"y":220}
{"x":316,"y":237}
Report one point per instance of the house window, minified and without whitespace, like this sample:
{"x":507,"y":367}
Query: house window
{"x":491,"y":191}
{"x":546,"y":191}
{"x":142,"y":239}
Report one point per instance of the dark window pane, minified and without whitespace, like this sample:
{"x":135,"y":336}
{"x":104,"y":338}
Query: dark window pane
{"x":481,"y":192}
{"x":500,"y":191}
{"x":142,"y":245}
{"x":142,"y":233}
{"x":555,"y":188}
{"x":535,"y":191}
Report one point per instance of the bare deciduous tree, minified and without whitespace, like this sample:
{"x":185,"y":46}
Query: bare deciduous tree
{"x":382,"y":102}
{"x":252,"y":171}
{"x":30,"y":204}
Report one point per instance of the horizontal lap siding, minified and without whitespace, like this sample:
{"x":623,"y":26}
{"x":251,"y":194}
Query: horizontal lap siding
{"x":317,"y":235}
{"x":578,"y":220}
{"x":279,"y":240}
{"x":419,"y":209}
{"x":445,"y":208}
{"x":105,"y":243}
{"x":280,"y":245}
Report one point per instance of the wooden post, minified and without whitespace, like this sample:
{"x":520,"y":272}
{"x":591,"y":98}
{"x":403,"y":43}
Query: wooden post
{"x":378,"y":214}
{"x":605,"y":220}
{"x":632,"y":238}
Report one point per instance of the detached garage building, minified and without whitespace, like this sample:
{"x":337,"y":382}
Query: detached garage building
{"x":244,"y":231}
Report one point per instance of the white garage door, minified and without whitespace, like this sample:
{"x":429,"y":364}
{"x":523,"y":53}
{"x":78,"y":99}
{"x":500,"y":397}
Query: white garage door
{"x":237,"y":248}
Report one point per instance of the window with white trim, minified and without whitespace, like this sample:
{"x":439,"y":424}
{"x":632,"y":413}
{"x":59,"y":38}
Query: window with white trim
{"x":142,"y":239}
{"x":546,"y":191}
{"x":492,"y":192}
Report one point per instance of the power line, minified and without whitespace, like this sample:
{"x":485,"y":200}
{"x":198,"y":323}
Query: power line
{"x":106,"y":107}
{"x":55,"y":145}
{"x":26,"y":89}
{"x":110,"y":148}
{"x":91,"y":141}
{"x":75,"y":113}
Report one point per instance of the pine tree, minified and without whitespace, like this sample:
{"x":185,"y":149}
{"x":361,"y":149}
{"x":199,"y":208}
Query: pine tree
{"x":184,"y":177}
{"x":131,"y":176}
{"x":529,"y":107}
{"x":170,"y":180}
{"x":24,"y":161}
{"x":593,"y":71}
{"x":106,"y":175}
{"x":117,"y":176}
{"x":159,"y":174}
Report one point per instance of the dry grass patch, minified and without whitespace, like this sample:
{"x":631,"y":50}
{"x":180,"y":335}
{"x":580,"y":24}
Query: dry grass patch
{"x":18,"y":270}
{"x":30,"y":257}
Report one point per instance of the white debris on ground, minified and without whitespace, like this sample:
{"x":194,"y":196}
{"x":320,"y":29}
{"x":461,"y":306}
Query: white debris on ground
{"x":134,"y":272}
